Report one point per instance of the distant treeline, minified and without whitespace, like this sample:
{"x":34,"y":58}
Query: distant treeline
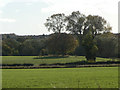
{"x":14,"y":45}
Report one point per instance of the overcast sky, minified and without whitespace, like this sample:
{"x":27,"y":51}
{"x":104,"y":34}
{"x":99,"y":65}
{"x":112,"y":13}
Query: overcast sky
{"x":27,"y":17}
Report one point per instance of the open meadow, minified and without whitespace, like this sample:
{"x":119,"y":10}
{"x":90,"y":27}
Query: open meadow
{"x":86,"y":77}
{"x":93,"y":77}
{"x":69,"y":44}
{"x":46,"y":60}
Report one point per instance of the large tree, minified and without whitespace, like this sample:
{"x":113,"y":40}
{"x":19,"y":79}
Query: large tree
{"x":87,"y":27}
{"x":61,"y":44}
{"x":90,"y":46}
{"x":93,"y":26}
{"x":97,"y":24}
{"x":78,"y":24}
{"x":75,"y":22}
{"x":56,"y":23}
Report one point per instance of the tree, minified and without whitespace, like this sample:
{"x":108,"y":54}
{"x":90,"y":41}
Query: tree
{"x":78,"y":24}
{"x":107,"y":45}
{"x":75,"y":25}
{"x":61,"y":44}
{"x":31,"y":47}
{"x":86,"y":28}
{"x":6,"y":50}
{"x":90,"y":47}
{"x":97,"y":24}
{"x":10,"y":47}
{"x":26,"y":49}
{"x":56,"y":23}
{"x":75,"y":22}
{"x":94,"y":25}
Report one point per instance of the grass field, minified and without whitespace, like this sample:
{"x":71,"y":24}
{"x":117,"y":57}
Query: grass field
{"x":93,"y":77}
{"x":31,"y":60}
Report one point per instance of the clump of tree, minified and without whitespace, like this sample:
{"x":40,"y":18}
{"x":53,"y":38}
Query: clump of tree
{"x":10,"y":47}
{"x":84,"y":35}
{"x":31,"y":47}
{"x":108,"y":45}
{"x":26,"y":47}
{"x":61,"y":44}
{"x":84,"y":27}
{"x":89,"y":26}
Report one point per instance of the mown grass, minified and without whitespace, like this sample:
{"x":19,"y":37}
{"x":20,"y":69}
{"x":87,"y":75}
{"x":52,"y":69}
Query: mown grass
{"x":93,"y":77}
{"x":47,"y":60}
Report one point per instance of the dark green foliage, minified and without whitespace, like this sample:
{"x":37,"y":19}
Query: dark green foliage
{"x":107,"y":44}
{"x":20,"y":39}
{"x":22,"y":45}
{"x":10,"y":47}
{"x":92,"y":33}
{"x":6,"y":50}
{"x":12,"y":43}
{"x":31,"y":47}
{"x":43,"y":52}
{"x":87,"y":27}
{"x":90,"y":47}
{"x":80,"y":51}
{"x":61,"y":44}
{"x":26,"y":49}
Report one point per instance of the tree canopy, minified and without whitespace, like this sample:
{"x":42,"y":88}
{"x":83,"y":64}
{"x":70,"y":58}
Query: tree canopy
{"x":56,"y":23}
{"x":85,"y":27}
{"x":61,"y":44}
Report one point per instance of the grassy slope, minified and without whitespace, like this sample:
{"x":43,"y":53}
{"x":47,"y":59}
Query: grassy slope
{"x":29,"y":59}
{"x":94,"y":77}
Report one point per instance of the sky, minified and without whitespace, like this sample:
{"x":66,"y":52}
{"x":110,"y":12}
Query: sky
{"x":27,"y":17}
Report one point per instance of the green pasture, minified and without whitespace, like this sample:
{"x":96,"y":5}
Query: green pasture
{"x":92,"y":77}
{"x":45,"y":60}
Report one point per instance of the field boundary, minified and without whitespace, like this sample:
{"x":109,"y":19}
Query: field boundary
{"x":59,"y":66}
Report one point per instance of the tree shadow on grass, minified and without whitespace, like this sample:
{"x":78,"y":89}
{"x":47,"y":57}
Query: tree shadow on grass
{"x":71,"y":63}
{"x":50,"y":57}
{"x":83,"y":62}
